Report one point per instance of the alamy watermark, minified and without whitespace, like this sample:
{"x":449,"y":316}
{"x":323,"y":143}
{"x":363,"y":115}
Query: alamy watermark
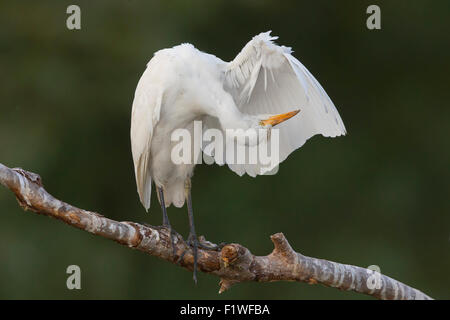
{"x":73,"y":21}
{"x":374,"y":280}
{"x":74,"y":280}
{"x":233,"y":146}
{"x":373,"y":22}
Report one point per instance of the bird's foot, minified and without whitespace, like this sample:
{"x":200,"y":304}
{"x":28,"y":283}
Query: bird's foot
{"x":173,"y":235}
{"x":207,"y":245}
{"x":194,"y":244}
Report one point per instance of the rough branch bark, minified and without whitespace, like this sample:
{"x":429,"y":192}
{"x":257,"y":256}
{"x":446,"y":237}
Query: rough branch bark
{"x":232,"y":264}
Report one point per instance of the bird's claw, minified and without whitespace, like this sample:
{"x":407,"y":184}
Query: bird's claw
{"x":172,"y":240}
{"x":189,"y":243}
{"x":192,"y":242}
{"x":172,"y":232}
{"x":208,"y":245}
{"x":201,"y":244}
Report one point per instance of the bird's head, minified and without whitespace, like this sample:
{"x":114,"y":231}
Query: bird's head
{"x":259,"y":127}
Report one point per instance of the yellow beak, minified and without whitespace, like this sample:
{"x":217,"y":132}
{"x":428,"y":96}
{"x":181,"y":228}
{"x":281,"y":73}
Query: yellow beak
{"x":279,"y":118}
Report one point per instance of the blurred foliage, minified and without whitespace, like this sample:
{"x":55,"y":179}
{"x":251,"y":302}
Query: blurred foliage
{"x":379,"y":196}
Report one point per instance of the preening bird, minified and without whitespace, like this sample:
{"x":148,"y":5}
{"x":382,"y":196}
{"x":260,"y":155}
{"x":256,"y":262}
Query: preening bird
{"x":262,"y":87}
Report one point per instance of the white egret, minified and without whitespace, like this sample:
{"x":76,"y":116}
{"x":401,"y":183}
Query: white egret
{"x":258,"y":89}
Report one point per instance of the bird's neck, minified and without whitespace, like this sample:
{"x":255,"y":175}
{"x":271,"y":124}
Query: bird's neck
{"x":231,"y":117}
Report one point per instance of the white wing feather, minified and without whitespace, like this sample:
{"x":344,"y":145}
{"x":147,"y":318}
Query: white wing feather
{"x":145,"y":115}
{"x":265,"y":78}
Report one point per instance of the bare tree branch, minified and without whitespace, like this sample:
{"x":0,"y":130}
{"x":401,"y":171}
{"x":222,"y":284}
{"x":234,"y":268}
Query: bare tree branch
{"x":232,"y":264}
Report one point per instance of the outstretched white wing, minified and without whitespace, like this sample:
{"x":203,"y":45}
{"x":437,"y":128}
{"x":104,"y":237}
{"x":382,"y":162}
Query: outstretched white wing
{"x":265,"y":78}
{"x":144,"y":117}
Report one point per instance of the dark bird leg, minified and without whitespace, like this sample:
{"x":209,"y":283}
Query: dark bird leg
{"x":166,"y":222}
{"x":192,"y":238}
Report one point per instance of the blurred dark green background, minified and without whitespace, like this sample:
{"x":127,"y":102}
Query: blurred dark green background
{"x":379,"y":196}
